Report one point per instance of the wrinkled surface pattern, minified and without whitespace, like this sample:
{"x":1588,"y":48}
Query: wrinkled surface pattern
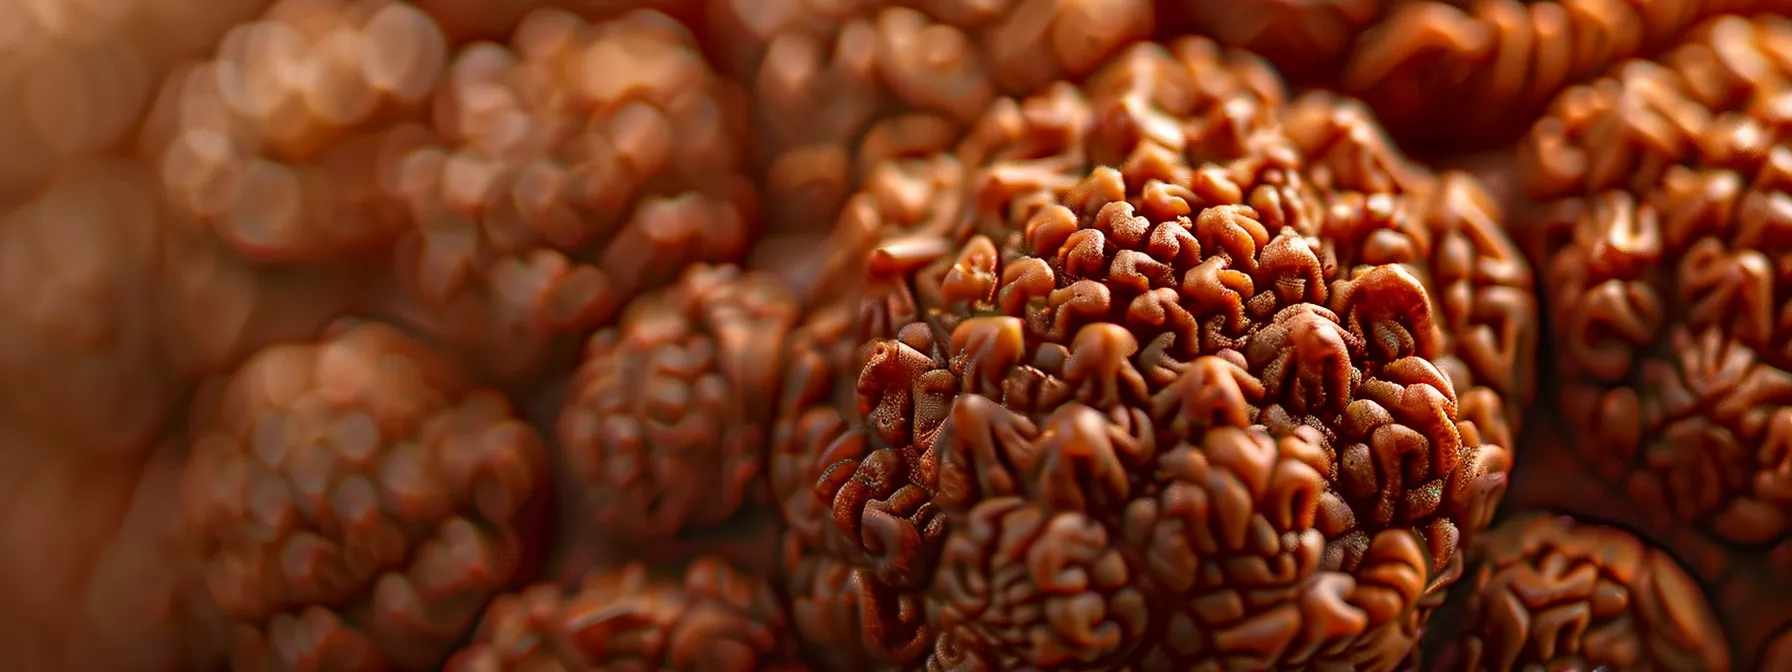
{"x":1303,"y":38}
{"x":717,"y":619}
{"x":281,"y":142}
{"x":1554,"y":594}
{"x":669,"y":423}
{"x":1165,"y":373}
{"x":354,"y":504}
{"x":842,"y":85}
{"x":1669,"y":262}
{"x":1058,"y":340}
{"x":1448,"y":75}
{"x":581,"y":166}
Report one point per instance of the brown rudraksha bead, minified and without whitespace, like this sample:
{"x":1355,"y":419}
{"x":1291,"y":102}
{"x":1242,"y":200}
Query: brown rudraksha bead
{"x":355,"y":504}
{"x":1305,"y":39}
{"x":717,"y":619}
{"x":1668,"y":257}
{"x":583,"y":165}
{"x":840,"y":85}
{"x":1666,"y":248}
{"x":666,"y":427}
{"x":1163,"y":372}
{"x":1550,"y":593}
{"x":286,"y":141}
{"x":1469,"y":75}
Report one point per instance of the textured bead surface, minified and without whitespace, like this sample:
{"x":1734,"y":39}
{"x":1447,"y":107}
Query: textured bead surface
{"x":354,"y":503}
{"x":1161,"y":373}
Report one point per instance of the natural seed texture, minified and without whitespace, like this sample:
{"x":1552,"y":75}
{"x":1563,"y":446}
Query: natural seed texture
{"x":839,"y":86}
{"x":1305,"y":39}
{"x":282,"y":142}
{"x":717,"y":619}
{"x":1554,"y":594}
{"x":666,"y":428}
{"x":585,"y":164}
{"x":1668,"y":254}
{"x":1161,"y":373}
{"x":355,"y":504}
{"x":1447,"y":75}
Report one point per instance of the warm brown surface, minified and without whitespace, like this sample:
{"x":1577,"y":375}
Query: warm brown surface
{"x":1451,"y":75}
{"x":585,"y":164}
{"x":281,"y":143}
{"x":111,"y":313}
{"x":1305,"y":39}
{"x":79,"y":73}
{"x":841,"y":85}
{"x":666,"y":426}
{"x":1664,"y":244}
{"x":1553,"y":594}
{"x":333,"y":130}
{"x":1056,"y":351}
{"x":354,"y":504}
{"x":716,"y":619}
{"x":1104,"y":387}
{"x":1668,"y":263}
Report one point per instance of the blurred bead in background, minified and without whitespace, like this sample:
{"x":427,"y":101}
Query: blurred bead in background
{"x":895,"y":335}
